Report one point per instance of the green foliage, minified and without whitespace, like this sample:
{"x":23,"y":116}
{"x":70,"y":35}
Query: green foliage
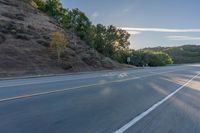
{"x":110,"y":41}
{"x":79,"y":23}
{"x":113,"y":42}
{"x":52,"y":7}
{"x":150,"y":58}
{"x":121,"y":55}
{"x":181,"y":54}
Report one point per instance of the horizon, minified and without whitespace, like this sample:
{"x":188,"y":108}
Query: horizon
{"x":151,"y":24}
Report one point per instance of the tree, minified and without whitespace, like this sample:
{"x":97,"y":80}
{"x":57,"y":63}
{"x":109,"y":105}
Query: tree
{"x":63,"y":17}
{"x":52,"y":7}
{"x":99,"y":38}
{"x":121,"y":55}
{"x":111,"y":42}
{"x":79,"y":23}
{"x":58,"y":43}
{"x":150,"y":58}
{"x":117,"y":42}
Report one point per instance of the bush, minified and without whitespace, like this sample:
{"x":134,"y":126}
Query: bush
{"x":58,"y":43}
{"x":150,"y":58}
{"x":40,"y":4}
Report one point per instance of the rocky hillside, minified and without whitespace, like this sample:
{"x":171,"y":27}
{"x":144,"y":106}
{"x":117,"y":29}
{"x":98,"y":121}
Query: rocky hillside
{"x":24,"y":44}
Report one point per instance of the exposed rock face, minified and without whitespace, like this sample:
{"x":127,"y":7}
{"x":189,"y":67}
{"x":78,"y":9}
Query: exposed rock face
{"x":24,"y":44}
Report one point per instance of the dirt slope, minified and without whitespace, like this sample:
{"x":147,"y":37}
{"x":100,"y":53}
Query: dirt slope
{"x":24,"y":44}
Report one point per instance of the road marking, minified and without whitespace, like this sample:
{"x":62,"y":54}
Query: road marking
{"x":32,"y":83}
{"x":145,"y":113}
{"x":78,"y":87}
{"x":83,"y":86}
{"x":44,"y":93}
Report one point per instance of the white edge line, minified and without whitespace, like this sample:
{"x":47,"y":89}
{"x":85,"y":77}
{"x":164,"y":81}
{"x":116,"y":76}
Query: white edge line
{"x":142,"y":115}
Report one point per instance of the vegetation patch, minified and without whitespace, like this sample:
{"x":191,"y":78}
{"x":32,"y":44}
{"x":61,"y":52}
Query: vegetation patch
{"x":108,"y":40}
{"x":150,"y":58}
{"x":181,"y":54}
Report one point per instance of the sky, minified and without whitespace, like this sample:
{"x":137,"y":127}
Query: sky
{"x":151,"y":23}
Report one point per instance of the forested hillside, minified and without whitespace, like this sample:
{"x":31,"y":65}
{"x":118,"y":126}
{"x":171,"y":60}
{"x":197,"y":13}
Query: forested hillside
{"x":181,"y":54}
{"x":109,"y":40}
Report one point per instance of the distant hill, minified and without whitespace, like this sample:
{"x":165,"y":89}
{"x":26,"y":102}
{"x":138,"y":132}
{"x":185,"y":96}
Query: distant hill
{"x":181,"y":54}
{"x":24,"y":44}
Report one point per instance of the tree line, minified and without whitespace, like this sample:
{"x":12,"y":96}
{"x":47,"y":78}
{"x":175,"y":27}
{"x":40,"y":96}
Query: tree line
{"x":150,"y":58}
{"x":109,"y":40}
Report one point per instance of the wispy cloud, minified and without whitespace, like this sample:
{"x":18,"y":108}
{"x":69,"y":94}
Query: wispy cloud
{"x":95,"y":15}
{"x":140,"y":30}
{"x":134,"y":32}
{"x":183,"y":38}
{"x":126,"y":10}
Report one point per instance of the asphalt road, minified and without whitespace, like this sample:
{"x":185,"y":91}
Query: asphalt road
{"x":150,"y":100}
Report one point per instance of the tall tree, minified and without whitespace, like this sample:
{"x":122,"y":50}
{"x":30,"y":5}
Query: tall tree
{"x":99,"y":40}
{"x":79,"y":23}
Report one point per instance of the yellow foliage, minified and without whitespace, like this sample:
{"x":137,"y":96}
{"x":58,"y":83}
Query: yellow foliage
{"x":34,"y":4}
{"x":58,"y":42}
{"x":58,"y":38}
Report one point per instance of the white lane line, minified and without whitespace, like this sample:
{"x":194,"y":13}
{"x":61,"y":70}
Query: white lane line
{"x":73,"y":88}
{"x":142,"y":115}
{"x":33,"y":83}
{"x":43,"y":93}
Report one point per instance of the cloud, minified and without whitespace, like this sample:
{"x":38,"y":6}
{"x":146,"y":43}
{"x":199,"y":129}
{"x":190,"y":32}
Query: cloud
{"x":183,"y":38}
{"x":133,"y":30}
{"x":95,"y":15}
{"x":126,"y":10}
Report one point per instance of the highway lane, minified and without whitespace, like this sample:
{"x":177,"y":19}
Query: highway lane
{"x":98,"y":74}
{"x":21,"y":87}
{"x":99,"y":108}
{"x":180,"y":114}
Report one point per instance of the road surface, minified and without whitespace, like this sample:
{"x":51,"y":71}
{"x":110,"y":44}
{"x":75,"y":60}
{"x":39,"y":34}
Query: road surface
{"x":150,"y":100}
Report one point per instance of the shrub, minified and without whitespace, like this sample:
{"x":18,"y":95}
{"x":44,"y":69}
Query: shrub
{"x":58,"y":43}
{"x":150,"y":58}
